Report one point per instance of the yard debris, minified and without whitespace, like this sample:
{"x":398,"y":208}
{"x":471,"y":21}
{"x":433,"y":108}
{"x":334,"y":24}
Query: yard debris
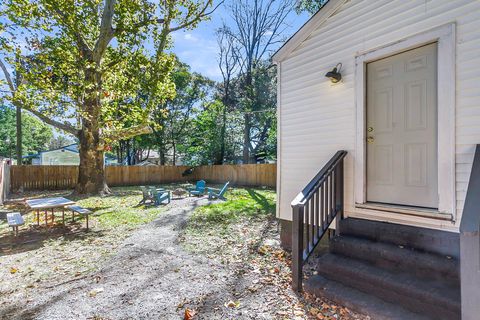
{"x":189,"y":314}
{"x":232,"y":304}
{"x":13,"y":270}
{"x":95,"y":291}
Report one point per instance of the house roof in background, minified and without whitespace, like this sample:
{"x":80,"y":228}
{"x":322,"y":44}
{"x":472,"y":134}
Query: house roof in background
{"x":71,"y":147}
{"x":313,"y":23}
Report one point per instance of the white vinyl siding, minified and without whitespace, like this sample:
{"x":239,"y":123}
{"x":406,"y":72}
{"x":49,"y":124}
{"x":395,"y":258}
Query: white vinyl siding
{"x":317,"y":118}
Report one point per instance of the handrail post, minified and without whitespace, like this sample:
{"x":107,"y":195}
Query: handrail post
{"x":338,"y":195}
{"x":470,"y":244}
{"x":297,"y":247}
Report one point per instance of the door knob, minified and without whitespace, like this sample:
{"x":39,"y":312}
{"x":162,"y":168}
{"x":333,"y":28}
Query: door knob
{"x":370,"y":139}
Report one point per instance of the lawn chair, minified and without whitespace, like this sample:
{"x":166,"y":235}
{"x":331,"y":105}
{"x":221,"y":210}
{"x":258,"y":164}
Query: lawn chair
{"x":147,"y":195}
{"x":15,"y":220}
{"x":160,"y":196}
{"x":199,"y":189}
{"x":214,"y":193}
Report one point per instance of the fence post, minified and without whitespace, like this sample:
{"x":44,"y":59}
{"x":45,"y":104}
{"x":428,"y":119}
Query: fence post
{"x":297,"y":248}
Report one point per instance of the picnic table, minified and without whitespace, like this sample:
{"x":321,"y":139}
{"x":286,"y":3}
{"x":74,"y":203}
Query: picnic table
{"x":44,"y":204}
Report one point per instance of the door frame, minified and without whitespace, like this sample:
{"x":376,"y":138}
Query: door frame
{"x":444,"y":36}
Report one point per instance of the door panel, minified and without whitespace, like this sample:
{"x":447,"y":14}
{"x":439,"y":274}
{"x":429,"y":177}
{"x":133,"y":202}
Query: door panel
{"x":402,"y":128}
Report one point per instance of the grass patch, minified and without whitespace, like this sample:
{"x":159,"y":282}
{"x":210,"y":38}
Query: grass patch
{"x":121,"y":209}
{"x":241,"y":203}
{"x":223,"y":228}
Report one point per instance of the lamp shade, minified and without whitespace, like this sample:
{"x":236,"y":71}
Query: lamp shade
{"x":335,"y":75}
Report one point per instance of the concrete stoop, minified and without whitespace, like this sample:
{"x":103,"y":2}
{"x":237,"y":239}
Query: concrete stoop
{"x":388,"y":277}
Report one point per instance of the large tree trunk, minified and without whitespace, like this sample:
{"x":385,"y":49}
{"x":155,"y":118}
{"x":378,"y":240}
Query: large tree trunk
{"x":91,"y":173}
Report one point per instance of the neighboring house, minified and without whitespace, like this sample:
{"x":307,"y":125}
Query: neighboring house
{"x":407,"y":112}
{"x":67,"y":155}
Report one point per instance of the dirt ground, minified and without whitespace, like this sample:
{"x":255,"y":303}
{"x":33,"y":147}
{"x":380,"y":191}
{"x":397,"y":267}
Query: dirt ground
{"x":163,"y":272}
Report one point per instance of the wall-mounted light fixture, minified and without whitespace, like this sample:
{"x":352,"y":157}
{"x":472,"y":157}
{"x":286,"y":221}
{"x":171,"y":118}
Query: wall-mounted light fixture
{"x":335,"y":75}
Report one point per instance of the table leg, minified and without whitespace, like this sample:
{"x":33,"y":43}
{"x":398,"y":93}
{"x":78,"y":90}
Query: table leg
{"x":63,"y":215}
{"x":73,"y":216}
{"x":53,"y":216}
{"x":46,"y":217}
{"x":38,"y":217}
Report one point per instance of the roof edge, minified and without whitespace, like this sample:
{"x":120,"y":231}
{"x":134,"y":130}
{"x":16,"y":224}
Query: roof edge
{"x":314,"y":22}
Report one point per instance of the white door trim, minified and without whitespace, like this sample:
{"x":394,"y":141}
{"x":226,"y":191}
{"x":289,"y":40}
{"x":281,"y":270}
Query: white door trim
{"x":446,"y":80}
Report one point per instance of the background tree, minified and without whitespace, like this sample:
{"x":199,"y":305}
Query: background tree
{"x":36,"y":134}
{"x":229,"y":65}
{"x":12,"y":87}
{"x":310,"y":6}
{"x":77,"y":73}
{"x":204,"y":143}
{"x":60,"y":141}
{"x":257,"y":28}
{"x":175,"y":116}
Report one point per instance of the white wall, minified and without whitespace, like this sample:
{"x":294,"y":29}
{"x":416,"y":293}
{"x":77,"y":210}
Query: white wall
{"x":318,"y":118}
{"x":60,"y":157}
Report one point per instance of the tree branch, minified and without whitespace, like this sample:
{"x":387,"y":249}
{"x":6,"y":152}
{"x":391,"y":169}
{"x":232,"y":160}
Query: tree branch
{"x":200,"y":15}
{"x":7,"y":77}
{"x":126,"y":133}
{"x":106,"y":31}
{"x":65,"y":126}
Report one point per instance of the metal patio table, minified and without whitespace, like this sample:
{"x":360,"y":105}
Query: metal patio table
{"x":44,"y":204}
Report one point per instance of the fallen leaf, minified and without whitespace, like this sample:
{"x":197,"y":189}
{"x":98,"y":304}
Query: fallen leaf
{"x":95,"y":291}
{"x":13,"y":270}
{"x":231,"y":304}
{"x":314,"y":311}
{"x":189,"y":314}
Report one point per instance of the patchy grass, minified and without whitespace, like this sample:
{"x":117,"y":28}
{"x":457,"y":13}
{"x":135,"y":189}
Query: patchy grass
{"x":121,"y":210}
{"x":241,"y":203}
{"x":223,"y":228}
{"x":42,"y":256}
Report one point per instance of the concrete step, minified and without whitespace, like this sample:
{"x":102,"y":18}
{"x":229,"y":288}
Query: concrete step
{"x":399,"y":258}
{"x":429,"y":240}
{"x":358,"y":301}
{"x":432,"y":298}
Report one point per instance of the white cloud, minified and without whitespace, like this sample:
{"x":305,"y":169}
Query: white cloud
{"x":190,"y":37}
{"x":199,"y":52}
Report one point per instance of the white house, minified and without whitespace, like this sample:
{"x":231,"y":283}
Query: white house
{"x":66,"y":155}
{"x":406,"y":111}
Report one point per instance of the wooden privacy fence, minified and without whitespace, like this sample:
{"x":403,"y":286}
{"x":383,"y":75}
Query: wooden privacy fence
{"x":65,"y":177}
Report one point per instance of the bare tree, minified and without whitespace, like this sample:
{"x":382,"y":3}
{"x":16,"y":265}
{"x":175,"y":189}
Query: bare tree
{"x":258,"y":26}
{"x":229,"y":64}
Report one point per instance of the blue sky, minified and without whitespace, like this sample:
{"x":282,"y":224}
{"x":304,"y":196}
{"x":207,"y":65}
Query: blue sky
{"x":199,"y":49}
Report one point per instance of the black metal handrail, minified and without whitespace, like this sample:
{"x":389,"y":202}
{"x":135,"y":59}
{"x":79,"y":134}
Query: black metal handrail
{"x":314,"y":209}
{"x":470,"y":244}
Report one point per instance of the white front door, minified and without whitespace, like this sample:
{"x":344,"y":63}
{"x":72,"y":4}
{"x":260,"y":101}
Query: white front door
{"x":402,"y":128}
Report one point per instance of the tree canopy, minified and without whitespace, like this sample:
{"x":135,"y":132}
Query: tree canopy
{"x":310,"y":6}
{"x":87,"y":69}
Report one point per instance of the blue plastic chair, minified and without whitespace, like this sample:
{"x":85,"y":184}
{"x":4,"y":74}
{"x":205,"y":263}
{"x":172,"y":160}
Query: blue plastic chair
{"x":199,"y":189}
{"x":160,"y":196}
{"x":218,"y":193}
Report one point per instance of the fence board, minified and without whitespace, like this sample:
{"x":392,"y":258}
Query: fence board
{"x":65,"y":177}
